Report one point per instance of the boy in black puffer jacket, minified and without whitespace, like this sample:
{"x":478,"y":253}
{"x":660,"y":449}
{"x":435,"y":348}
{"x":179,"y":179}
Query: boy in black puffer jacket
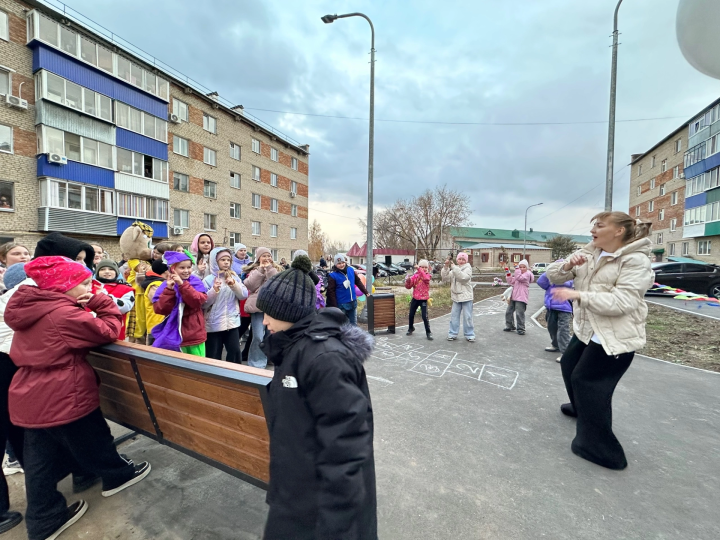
{"x":322,"y":469}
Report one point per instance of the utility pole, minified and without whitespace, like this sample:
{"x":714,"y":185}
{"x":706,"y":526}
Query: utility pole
{"x":611,"y":124}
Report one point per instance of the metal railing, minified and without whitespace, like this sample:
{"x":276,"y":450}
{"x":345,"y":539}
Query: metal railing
{"x":128,"y":47}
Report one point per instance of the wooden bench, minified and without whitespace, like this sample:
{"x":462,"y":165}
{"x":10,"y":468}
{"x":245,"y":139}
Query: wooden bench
{"x":209,"y":409}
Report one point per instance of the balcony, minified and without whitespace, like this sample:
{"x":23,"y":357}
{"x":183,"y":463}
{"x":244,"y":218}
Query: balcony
{"x":76,"y":221}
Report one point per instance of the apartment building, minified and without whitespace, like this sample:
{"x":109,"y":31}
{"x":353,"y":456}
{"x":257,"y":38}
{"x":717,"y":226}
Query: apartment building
{"x":657,"y":187}
{"x":93,"y":137}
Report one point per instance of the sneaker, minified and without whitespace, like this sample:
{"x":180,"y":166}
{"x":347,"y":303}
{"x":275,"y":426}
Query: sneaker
{"x":471,"y":339}
{"x":521,"y":332}
{"x":12,"y":467}
{"x":9,"y":520}
{"x":568,"y":410}
{"x":141,"y":471}
{"x":75,"y":512}
{"x":508,"y":329}
{"x":452,"y":338}
{"x":409,"y":332}
{"x":558,"y":359}
{"x":551,"y":349}
{"x":430,"y":336}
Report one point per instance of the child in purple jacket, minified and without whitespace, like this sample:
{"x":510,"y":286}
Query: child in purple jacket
{"x":518,"y":301}
{"x":559,"y":316}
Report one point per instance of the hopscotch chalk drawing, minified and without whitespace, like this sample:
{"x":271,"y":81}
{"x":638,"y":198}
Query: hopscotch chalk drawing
{"x":489,"y":307}
{"x":439,"y":363}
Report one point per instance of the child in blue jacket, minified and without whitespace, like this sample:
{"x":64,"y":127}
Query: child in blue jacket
{"x":559,"y":316}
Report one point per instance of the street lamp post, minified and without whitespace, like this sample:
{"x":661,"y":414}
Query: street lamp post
{"x":327,"y":19}
{"x":525,"y":233}
{"x":611,"y":124}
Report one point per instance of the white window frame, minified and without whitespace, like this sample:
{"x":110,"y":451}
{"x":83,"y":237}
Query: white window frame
{"x":235,"y":210}
{"x":652,"y":162}
{"x":673,"y":224}
{"x":84,"y":141}
{"x":209,"y":156}
{"x":273,"y":180}
{"x":256,"y":173}
{"x":164,"y":165}
{"x":210,"y":222}
{"x":685,"y":248}
{"x":181,"y":213}
{"x":673,"y":198}
{"x":662,"y":189}
{"x":46,"y":198}
{"x":704,"y":247}
{"x":274,"y":154}
{"x":637,"y":210}
{"x":274,"y":228}
{"x":8,"y":90}
{"x":294,"y":163}
{"x":663,"y":165}
{"x":187,"y":180}
{"x":238,"y":177}
{"x":294,"y":210}
{"x":164,"y":205}
{"x":661,"y":214}
{"x":176,"y":147}
{"x":274,"y":205}
{"x":4,"y":27}
{"x":235,"y":151}
{"x":678,"y":145}
{"x":293,"y":233}
{"x":651,"y":206}
{"x":671,"y":249}
{"x":639,"y":169}
{"x":659,"y":238}
{"x":41,"y":92}
{"x":293,"y":187}
{"x":676,"y":171}
{"x":652,"y":183}
{"x":11,"y":186}
{"x":256,"y":146}
{"x":12,"y":140}
{"x":209,"y":189}
{"x":209,"y":123}
{"x":179,"y":107}
{"x":256,"y":197}
{"x":639,"y":191}
{"x":158,"y":123}
{"x":274,"y":253}
{"x":256,"y":228}
{"x":234,"y":238}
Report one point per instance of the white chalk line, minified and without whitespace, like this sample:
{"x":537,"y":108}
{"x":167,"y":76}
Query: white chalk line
{"x":447,"y":314}
{"x":681,"y":309}
{"x":676,"y":364}
{"x":379,"y":379}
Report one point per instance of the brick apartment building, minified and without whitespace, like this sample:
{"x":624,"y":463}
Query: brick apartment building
{"x":93,"y":137}
{"x":657,"y":188}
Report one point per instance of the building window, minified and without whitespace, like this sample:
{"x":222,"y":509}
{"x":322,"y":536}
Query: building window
{"x":256,"y":228}
{"x":652,"y":162}
{"x":661,"y":214}
{"x":209,"y":123}
{"x":142,"y":207}
{"x":293,"y":210}
{"x":274,"y":253}
{"x":209,"y":157}
{"x":676,"y":171}
{"x":293,"y":187}
{"x":141,"y":165}
{"x":235,"y":151}
{"x":181,"y":218}
{"x":234,"y":180}
{"x":637,"y":210}
{"x":484,"y":257}
{"x":74,"y":147}
{"x":256,"y":146}
{"x":51,"y":87}
{"x":180,"y":109}
{"x":703,"y":247}
{"x":137,"y":121}
{"x":256,"y":173}
{"x":273,"y":231}
{"x":659,"y":239}
{"x":58,"y":194}
{"x":293,"y":164}
{"x":210,"y":222}
{"x":180,"y":146}
{"x":293,"y":233}
{"x":274,"y":205}
{"x":652,"y":183}
{"x":673,"y":224}
{"x":273,"y":179}
{"x":6,"y":139}
{"x":235,"y":210}
{"x":671,"y":249}
{"x":639,"y":191}
{"x":686,"y":248}
{"x":181,"y":182}
{"x":663,"y":165}
{"x":5,"y":81}
{"x":4,"y":27}
{"x":651,"y":206}
{"x":210,"y":189}
{"x":273,"y":154}
{"x":516,"y":257}
{"x":678,"y":145}
{"x":673,"y":198}
{"x":7,"y":196}
{"x":255,"y":200}
{"x":662,"y":189}
{"x":639,"y":169}
{"x":234,"y":238}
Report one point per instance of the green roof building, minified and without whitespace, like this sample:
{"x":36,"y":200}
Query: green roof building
{"x":469,"y":236}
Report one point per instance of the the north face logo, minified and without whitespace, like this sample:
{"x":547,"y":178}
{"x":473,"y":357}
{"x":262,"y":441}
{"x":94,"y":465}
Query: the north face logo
{"x":289,"y":382}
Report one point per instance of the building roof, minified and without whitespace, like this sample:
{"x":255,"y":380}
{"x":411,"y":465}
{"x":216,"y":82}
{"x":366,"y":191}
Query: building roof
{"x":354,"y":251}
{"x":514,"y":235}
{"x":484,"y":245}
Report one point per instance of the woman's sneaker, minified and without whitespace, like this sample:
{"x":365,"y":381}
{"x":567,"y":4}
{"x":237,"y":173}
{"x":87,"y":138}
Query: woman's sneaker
{"x":75,"y":512}
{"x":12,"y":467}
{"x":141,"y":471}
{"x":452,"y":338}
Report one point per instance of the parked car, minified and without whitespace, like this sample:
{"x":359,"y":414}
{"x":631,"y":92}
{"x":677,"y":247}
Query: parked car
{"x":539,"y":268}
{"x":389,"y":270}
{"x":698,"y":278}
{"x":399,"y":269}
{"x":406,"y":265}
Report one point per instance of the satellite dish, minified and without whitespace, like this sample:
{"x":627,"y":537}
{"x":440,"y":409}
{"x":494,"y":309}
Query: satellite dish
{"x":697,"y":27}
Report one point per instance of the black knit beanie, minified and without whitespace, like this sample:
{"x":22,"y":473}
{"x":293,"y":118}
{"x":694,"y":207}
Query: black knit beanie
{"x":57,"y":244}
{"x":159,"y":267}
{"x":290,"y":295}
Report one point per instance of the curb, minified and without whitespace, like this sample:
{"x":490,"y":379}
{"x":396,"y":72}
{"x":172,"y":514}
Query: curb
{"x":676,"y":364}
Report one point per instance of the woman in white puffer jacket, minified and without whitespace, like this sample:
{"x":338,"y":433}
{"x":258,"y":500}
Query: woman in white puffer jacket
{"x":611,"y":275}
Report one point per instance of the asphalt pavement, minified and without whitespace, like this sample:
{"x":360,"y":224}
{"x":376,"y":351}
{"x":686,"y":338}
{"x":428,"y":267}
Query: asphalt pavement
{"x":702,"y":309}
{"x":470,"y":444}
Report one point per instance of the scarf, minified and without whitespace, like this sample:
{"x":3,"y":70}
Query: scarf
{"x":168,"y":333}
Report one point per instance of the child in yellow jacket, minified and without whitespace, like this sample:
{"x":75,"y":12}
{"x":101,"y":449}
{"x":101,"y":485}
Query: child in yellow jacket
{"x":153,"y":279}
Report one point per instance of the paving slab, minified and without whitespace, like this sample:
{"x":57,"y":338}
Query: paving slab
{"x":470,"y":444}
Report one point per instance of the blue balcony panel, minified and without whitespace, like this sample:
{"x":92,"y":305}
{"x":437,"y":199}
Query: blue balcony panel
{"x":139,"y":143}
{"x":703,"y":166}
{"x":696,"y":200}
{"x":160,"y":228}
{"x":76,"y":172}
{"x":74,"y":70}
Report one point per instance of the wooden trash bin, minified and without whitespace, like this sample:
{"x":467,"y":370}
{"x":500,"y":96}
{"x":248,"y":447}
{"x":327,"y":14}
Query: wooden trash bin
{"x":381,"y":312}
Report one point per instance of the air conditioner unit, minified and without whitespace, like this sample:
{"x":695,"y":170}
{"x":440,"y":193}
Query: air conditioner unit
{"x":293,"y":194}
{"x":15,"y":101}
{"x":682,"y":175}
{"x":174,"y":118}
{"x":57,"y":159}
{"x":177,"y":231}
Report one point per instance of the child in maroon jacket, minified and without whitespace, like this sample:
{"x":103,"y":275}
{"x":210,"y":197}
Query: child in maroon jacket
{"x":419,"y":282}
{"x":55,"y":392}
{"x":181,"y":299}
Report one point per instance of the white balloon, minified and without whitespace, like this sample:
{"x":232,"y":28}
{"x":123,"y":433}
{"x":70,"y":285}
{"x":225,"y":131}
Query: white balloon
{"x":698,"y":34}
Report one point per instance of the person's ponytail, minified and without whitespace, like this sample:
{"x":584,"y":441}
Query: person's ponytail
{"x":635,"y":229}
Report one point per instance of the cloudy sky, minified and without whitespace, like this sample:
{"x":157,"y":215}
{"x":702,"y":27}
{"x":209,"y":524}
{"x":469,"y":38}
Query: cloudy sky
{"x":440,"y":63}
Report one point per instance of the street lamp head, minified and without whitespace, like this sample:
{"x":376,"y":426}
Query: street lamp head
{"x":327,"y":19}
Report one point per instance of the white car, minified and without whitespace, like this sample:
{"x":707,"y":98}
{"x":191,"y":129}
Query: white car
{"x":539,"y":268}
